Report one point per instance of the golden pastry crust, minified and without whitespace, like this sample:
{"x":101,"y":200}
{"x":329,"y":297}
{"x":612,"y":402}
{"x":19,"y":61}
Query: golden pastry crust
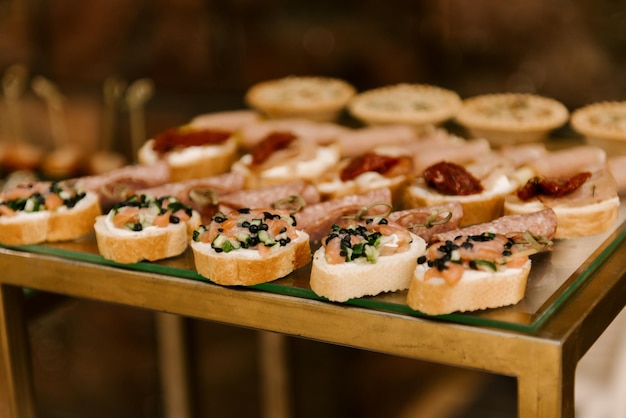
{"x":413,"y":104}
{"x":507,"y":118}
{"x":603,"y":124}
{"x":316,"y":98}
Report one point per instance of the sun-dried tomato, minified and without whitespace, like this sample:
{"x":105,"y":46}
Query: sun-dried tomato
{"x":553,"y":187}
{"x":452,"y":179}
{"x":272,"y":142}
{"x":176,"y":137}
{"x":368,"y":162}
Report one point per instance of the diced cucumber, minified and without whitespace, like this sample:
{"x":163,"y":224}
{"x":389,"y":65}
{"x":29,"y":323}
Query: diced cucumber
{"x":244,"y":238}
{"x":371,"y":254}
{"x":266,"y":238}
{"x":223,"y":243}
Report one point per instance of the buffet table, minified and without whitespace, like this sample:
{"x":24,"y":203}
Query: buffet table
{"x":573,"y":295}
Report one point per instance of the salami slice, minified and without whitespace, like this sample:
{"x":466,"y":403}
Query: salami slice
{"x":541,"y":223}
{"x":430,"y":220}
{"x":317,"y":219}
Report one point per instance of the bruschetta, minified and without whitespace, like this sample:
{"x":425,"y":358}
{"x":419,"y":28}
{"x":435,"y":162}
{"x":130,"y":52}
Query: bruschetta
{"x":481,"y":266}
{"x":444,"y":182}
{"x":473,"y":272}
{"x":364,"y":258}
{"x":145,"y":227}
{"x":36,"y":212}
{"x":249,"y":246}
{"x":191,"y":152}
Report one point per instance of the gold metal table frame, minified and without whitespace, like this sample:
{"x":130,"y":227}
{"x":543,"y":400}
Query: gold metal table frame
{"x":543,"y":359}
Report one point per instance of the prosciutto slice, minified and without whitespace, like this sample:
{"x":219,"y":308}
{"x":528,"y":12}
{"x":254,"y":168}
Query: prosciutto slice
{"x":317,"y":219}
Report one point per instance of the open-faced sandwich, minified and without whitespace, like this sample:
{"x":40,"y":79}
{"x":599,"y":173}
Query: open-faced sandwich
{"x":249,"y":246}
{"x":444,"y":182}
{"x":282,"y":157}
{"x":365,"y":172}
{"x":576,"y":184}
{"x":191,"y":152}
{"x":365,"y":257}
{"x":35,"y":212}
{"x":468,"y":270}
{"x":145,"y":227}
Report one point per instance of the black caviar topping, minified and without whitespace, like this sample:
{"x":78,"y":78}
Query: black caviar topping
{"x":467,"y":245}
{"x":219,"y":219}
{"x":485,"y":236}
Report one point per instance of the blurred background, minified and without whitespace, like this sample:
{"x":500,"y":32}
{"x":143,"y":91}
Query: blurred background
{"x":202,"y":55}
{"x":97,"y":360}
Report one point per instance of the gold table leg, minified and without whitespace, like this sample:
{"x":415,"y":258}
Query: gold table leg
{"x":172,"y":351}
{"x":274,"y":380}
{"x":16,"y":386}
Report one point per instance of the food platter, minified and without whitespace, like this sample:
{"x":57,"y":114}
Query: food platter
{"x":554,"y":278}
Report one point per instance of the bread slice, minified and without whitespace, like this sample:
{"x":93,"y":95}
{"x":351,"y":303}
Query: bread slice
{"x":572,"y":221}
{"x":60,"y":224}
{"x":67,"y":224}
{"x":341,"y":282}
{"x":150,"y":244}
{"x":309,"y":163}
{"x":476,"y":290}
{"x":246,"y":267}
{"x":24,"y":228}
{"x":477,"y":208}
{"x":590,"y":209}
{"x":366,"y":172}
{"x":192,"y":162}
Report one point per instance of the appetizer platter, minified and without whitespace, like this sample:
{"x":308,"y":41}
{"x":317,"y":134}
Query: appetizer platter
{"x":393,"y":216}
{"x":553,"y":279}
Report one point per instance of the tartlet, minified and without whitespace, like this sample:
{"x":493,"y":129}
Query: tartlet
{"x":320,"y":99}
{"x":603,"y":124}
{"x":418,"y":105}
{"x":510,"y":118}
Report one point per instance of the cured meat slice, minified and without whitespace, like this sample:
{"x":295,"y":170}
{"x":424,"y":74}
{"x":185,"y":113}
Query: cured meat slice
{"x":541,"y":223}
{"x":427,"y":221}
{"x":202,"y":195}
{"x":117,"y":185}
{"x":317,"y":219}
{"x":266,"y":197}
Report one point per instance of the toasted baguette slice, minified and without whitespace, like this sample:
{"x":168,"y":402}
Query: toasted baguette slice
{"x":192,"y":162}
{"x":477,"y":208}
{"x":24,"y":229}
{"x":589,"y":210}
{"x":304,"y":165}
{"x":476,"y":290}
{"x":341,"y":282}
{"x":145,"y":228}
{"x":366,"y":172}
{"x":67,"y":224}
{"x":60,"y":224}
{"x":151,"y":244}
{"x":572,"y":221}
{"x":246,"y":267}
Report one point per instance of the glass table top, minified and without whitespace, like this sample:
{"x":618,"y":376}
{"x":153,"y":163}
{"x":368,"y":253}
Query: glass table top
{"x":554,"y":278}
